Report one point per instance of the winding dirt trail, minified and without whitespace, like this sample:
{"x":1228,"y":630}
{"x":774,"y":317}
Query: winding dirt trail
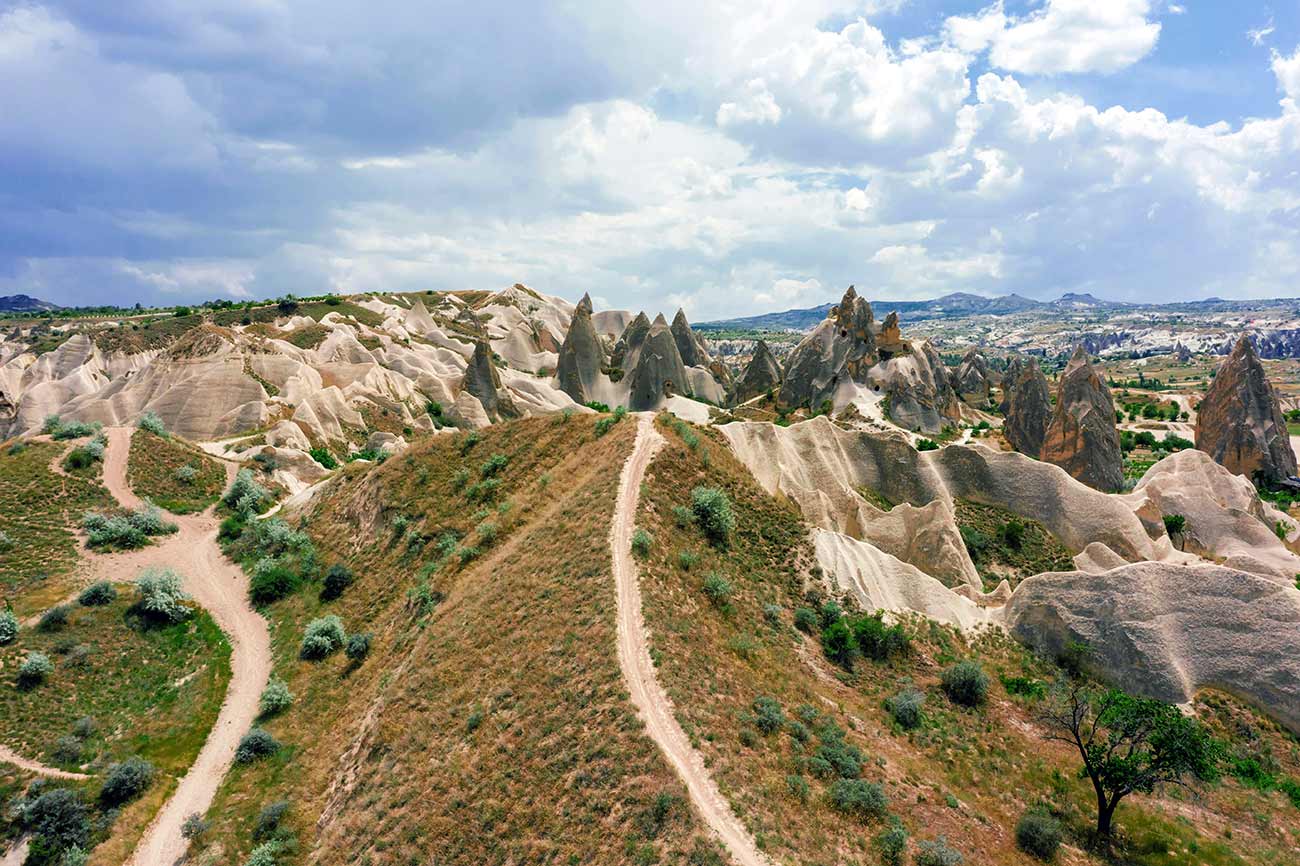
{"x":9,"y":756}
{"x":221,"y":588}
{"x":634,"y":657}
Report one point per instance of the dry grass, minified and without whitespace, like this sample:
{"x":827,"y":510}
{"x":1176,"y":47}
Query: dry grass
{"x":152,"y":466}
{"x":493,"y":727}
{"x":965,"y":774}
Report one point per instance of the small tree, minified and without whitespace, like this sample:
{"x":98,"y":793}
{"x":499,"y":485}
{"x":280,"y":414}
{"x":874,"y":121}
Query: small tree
{"x":338,"y":578}
{"x":713,"y":513}
{"x":97,"y":594}
{"x":126,"y":781}
{"x":1129,"y":744}
{"x":965,"y":683}
{"x":152,"y":423}
{"x":161,"y":595}
{"x":357,"y":647}
{"x":8,"y":625}
{"x":255,"y":745}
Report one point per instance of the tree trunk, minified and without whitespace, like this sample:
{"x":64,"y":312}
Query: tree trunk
{"x":1105,"y":812}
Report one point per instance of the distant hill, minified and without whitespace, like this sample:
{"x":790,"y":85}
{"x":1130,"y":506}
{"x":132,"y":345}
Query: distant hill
{"x":948,"y":306}
{"x":25,"y":304}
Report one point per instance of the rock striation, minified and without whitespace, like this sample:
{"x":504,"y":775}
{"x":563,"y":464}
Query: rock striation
{"x":1027,"y":404}
{"x":761,"y":374}
{"x":1081,"y":437}
{"x":581,"y":356}
{"x":1239,"y":423}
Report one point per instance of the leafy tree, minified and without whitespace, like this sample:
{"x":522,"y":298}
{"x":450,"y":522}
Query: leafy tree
{"x":713,"y":514}
{"x":1129,"y":744}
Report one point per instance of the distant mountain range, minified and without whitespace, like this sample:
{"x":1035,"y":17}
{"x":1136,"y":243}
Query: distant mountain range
{"x":960,"y":304}
{"x":25,"y":304}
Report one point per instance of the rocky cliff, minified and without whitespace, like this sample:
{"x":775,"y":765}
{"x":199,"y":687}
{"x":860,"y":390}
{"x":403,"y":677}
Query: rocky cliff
{"x":1239,"y":423}
{"x":972,"y":379}
{"x":1081,"y":437}
{"x":657,"y":370}
{"x":842,"y":347}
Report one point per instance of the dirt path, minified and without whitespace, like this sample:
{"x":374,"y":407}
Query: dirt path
{"x":634,"y":657}
{"x":221,"y":588}
{"x":9,"y":756}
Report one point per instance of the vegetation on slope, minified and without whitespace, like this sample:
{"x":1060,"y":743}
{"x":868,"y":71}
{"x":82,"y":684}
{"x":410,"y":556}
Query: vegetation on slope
{"x":1003,"y":544}
{"x":820,"y":759}
{"x":488,"y":721}
{"x":118,"y":688}
{"x":39,"y":507}
{"x":173,"y":474}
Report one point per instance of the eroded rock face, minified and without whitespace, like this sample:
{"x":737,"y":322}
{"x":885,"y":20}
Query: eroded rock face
{"x":484,"y":382}
{"x":842,"y":346}
{"x":1081,"y":437}
{"x":921,"y":397}
{"x":1239,"y":423}
{"x":629,"y":343}
{"x":762,"y":374}
{"x":972,"y":378}
{"x":1165,"y":631}
{"x":689,"y":344}
{"x":1009,"y":378}
{"x":657,"y":370}
{"x":1028,"y":409}
{"x":581,"y":356}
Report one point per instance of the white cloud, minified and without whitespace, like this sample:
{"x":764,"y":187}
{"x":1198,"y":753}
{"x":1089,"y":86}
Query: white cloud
{"x":1260,"y":35}
{"x":756,"y":106}
{"x":1071,"y":36}
{"x":1287,"y":70}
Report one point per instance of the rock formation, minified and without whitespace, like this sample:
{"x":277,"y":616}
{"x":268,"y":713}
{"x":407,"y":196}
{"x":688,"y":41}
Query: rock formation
{"x":891,"y":342}
{"x":762,"y":374}
{"x":1008,"y":383}
{"x":484,"y":382}
{"x":629,"y":343}
{"x":1081,"y":437}
{"x":842,"y":347}
{"x":689,"y":344}
{"x":1028,"y":408}
{"x":582,"y":356}
{"x":972,"y":380}
{"x":657,"y":370}
{"x":1239,"y":423}
{"x":1165,"y":631}
{"x":921,"y":397}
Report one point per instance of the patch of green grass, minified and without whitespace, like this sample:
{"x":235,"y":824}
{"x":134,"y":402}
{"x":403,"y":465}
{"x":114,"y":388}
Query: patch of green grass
{"x":39,"y":509}
{"x":1005,"y":545}
{"x":154,"y":471}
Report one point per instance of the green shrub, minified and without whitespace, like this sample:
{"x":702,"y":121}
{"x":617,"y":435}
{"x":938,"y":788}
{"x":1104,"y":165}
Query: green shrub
{"x":1174,"y":523}
{"x":494,"y":465}
{"x":835,"y":757}
{"x":357,"y":648}
{"x":323,"y":456}
{"x":965,"y":683}
{"x":338,"y":578}
{"x":1038,"y":834}
{"x":713,"y":513}
{"x":772,"y":614}
{"x":1025,"y":687}
{"x":483,"y":491}
{"x":641,"y":543}
{"x":231,"y":528}
{"x":687,"y":559}
{"x":977,"y":543}
{"x":487,"y":532}
{"x":8,"y":626}
{"x":906,"y":708}
{"x":683,"y":516}
{"x":34,"y":670}
{"x":276,"y":698}
{"x":161,"y":595}
{"x":269,"y":819}
{"x":877,"y":641}
{"x":768,"y":717}
{"x":195,"y":827}
{"x":255,"y":745}
{"x":718,"y":589}
{"x":68,"y":750}
{"x":805,"y":619}
{"x":798,"y":787}
{"x":55,"y":619}
{"x":60,"y":819}
{"x":272,"y":583}
{"x":126,"y":781}
{"x":246,"y":496}
{"x":186,"y":474}
{"x":265,"y":854}
{"x":936,"y":853}
{"x":927,"y":445}
{"x":468,"y":441}
{"x":150,"y":422}
{"x":1012,"y":533}
{"x":859,"y":798}
{"x":839,"y":645}
{"x":891,"y":844}
{"x":98,"y":594}
{"x":322,"y":637}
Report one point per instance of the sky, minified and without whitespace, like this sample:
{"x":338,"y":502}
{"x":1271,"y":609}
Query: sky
{"x":729,"y":157}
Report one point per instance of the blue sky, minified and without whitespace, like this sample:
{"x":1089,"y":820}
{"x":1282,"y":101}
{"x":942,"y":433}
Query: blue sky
{"x":730,"y":158}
